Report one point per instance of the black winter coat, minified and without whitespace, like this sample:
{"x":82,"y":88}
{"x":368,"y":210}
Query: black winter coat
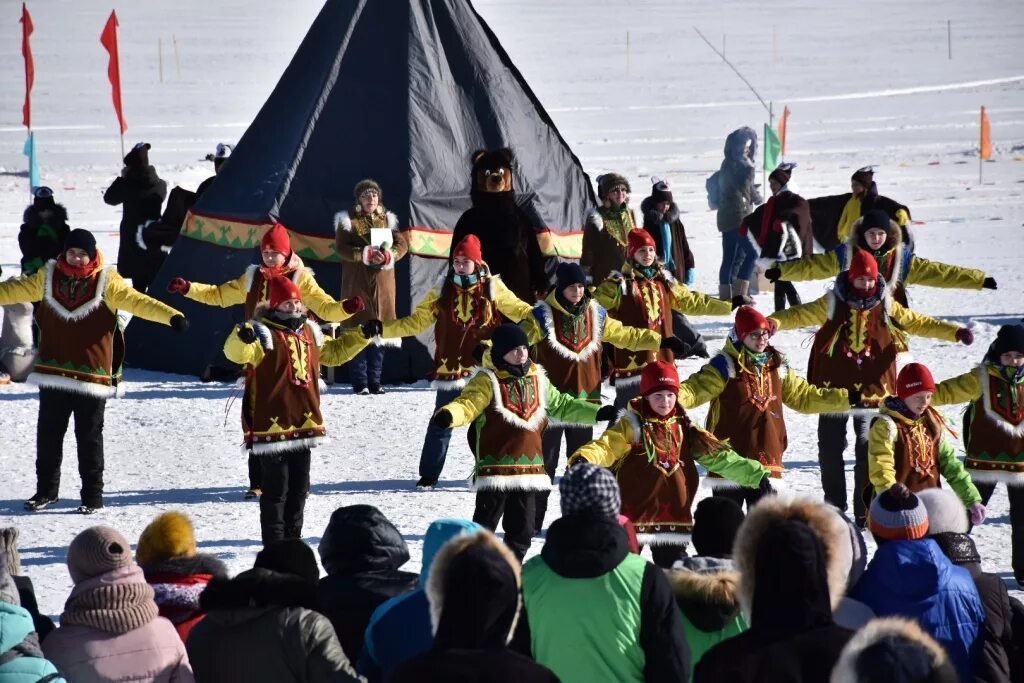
{"x":361,"y":551}
{"x":41,"y":240}
{"x":682,"y":256}
{"x":508,"y":241}
{"x":261,"y":626}
{"x":792,"y":636}
{"x":1003,"y":648}
{"x":141,"y":193}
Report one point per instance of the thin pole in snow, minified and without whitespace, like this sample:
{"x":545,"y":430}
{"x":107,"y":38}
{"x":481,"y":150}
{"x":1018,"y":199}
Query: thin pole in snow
{"x":627,"y":53}
{"x":734,"y":69}
{"x":177,"y":61}
{"x":949,"y":38}
{"x":775,"y":44}
{"x":723,"y":49}
{"x":764,"y":146}
{"x":160,"y":56}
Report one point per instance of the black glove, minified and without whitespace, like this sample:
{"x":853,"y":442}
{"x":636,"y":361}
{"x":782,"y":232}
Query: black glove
{"x":990,"y":283}
{"x":246,"y":333}
{"x":179,"y":323}
{"x":765,"y":486}
{"x":372,"y":328}
{"x":443,"y":419}
{"x":607,"y":413}
{"x":678,"y":348}
{"x":740,"y":300}
{"x":774,"y":274}
{"x":855,"y":397}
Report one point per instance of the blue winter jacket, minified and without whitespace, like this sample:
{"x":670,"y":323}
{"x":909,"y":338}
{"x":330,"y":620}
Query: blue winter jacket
{"x":916,"y":580}
{"x":15,"y":626}
{"x":400,"y":628}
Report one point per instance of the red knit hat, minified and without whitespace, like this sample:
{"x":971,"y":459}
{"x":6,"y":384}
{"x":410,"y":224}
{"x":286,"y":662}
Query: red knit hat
{"x":276,"y":239}
{"x":659,"y":376}
{"x":749,"y":319}
{"x":863,"y":264}
{"x":914,"y":378}
{"x":283,"y":289}
{"x":469,"y":248}
{"x":636,"y":239}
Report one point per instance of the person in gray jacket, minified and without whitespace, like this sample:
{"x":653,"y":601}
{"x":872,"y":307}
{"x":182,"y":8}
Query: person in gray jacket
{"x":736,"y":197}
{"x":261,"y":625}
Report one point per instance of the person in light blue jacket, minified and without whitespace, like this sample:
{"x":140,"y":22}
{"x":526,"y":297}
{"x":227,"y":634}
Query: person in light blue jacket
{"x":400,"y":628}
{"x":21,"y":659}
{"x":910,"y":576}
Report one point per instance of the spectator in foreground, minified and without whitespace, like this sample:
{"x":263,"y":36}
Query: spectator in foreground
{"x":21,"y":659}
{"x":893,"y":650}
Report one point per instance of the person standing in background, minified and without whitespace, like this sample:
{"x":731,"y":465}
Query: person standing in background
{"x":736,"y":198}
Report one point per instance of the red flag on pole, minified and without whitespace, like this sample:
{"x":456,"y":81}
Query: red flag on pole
{"x":30,"y":66}
{"x":985,"y":147}
{"x":783,"y":122}
{"x":109,"y":40}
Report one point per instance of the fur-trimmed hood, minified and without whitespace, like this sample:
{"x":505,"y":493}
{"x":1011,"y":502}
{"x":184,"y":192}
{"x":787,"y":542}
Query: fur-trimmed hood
{"x":647,"y":206}
{"x":709,"y":600}
{"x":485,"y":609}
{"x":31,"y":215}
{"x":253,"y":592}
{"x":823,"y":520}
{"x":896,"y":649}
{"x":200,"y":563}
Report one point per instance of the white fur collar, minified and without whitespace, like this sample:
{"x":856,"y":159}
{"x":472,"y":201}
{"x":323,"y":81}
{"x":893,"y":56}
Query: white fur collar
{"x":597,"y":333}
{"x":1014,"y":430}
{"x":250,"y":275}
{"x":343,"y":221}
{"x":538,"y":416}
{"x":86,"y":308}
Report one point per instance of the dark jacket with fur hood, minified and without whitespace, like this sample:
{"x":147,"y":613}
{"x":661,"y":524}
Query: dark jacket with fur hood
{"x":682,"y":256}
{"x":261,"y":626}
{"x":896,"y":651}
{"x":41,"y":240}
{"x":178,"y":583}
{"x":793,"y":558}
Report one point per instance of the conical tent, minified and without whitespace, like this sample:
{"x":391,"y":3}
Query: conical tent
{"x":402,"y":92}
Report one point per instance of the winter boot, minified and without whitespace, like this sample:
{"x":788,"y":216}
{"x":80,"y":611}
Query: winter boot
{"x":725,"y":292}
{"x":739,"y":294}
{"x":39,"y":502}
{"x":426,"y":483}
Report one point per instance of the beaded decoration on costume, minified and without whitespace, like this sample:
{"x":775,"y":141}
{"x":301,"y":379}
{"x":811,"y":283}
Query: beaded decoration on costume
{"x":575,"y":332}
{"x":469,"y":306}
{"x":649,"y":291}
{"x":662,"y":438}
{"x":521,"y":395}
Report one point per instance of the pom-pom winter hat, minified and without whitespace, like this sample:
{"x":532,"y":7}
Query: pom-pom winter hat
{"x":896,"y":514}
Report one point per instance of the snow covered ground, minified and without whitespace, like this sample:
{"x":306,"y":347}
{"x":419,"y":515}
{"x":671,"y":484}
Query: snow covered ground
{"x":867,"y":83}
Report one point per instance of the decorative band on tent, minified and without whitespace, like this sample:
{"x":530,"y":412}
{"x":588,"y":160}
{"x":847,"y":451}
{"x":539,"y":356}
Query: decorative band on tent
{"x":424,"y":242}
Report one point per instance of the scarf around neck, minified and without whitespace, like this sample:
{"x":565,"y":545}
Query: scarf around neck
{"x":117,"y":602}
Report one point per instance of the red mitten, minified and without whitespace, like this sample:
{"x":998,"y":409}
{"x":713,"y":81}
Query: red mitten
{"x":178,"y":285}
{"x":965,"y":336}
{"x":353,"y":305}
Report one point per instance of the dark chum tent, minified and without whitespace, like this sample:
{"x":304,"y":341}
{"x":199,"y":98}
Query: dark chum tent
{"x":400,"y":91}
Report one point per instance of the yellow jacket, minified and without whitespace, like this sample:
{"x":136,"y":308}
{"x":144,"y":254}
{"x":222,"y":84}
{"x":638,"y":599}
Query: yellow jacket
{"x":332,"y":351}
{"x":921,"y":271}
{"x":852,"y":212}
{"x":613,"y":332}
{"x":815,"y":313}
{"x":960,"y":389}
{"x":609,"y":294}
{"x":234,"y":292}
{"x":617,"y":442}
{"x":882,"y":459}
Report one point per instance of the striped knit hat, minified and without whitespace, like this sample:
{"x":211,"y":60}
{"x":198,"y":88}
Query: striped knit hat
{"x":97,"y":550}
{"x":898,"y":515}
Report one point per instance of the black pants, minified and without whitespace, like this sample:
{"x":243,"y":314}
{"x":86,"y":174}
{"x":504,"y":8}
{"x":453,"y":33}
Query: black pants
{"x":831,"y":446}
{"x":255,"y":472}
{"x":552,"y":445}
{"x":55,"y":410}
{"x":1016,"y":496}
{"x":285,"y":485}
{"x":785,"y":291}
{"x":739,"y":495}
{"x":665,"y":556}
{"x":517,"y":512}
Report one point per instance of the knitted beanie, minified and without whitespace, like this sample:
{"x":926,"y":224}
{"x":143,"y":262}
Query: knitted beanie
{"x":862,"y":264}
{"x":896,"y":514}
{"x":876,"y":219}
{"x":42,"y":198}
{"x":505,"y":338}
{"x":81,"y":239}
{"x":715,"y":524}
{"x":469,"y":248}
{"x":914,"y":378}
{"x":637,"y":239}
{"x":283,"y":289}
{"x":590,"y":490}
{"x":659,"y":376}
{"x":168,"y":536}
{"x":1009,"y":338}
{"x":749,"y":319}
{"x":9,"y":545}
{"x":276,"y":239}
{"x":97,"y":550}
{"x":660,"y":191}
{"x":289,"y":556}
{"x":946,"y":512}
{"x":568,"y":273}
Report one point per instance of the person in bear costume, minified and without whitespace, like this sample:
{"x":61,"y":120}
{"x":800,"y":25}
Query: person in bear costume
{"x":506,"y":233}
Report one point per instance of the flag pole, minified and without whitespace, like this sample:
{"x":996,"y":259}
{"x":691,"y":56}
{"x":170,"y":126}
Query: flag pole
{"x":981,"y":144}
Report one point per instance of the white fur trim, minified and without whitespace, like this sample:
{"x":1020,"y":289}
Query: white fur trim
{"x":74,"y":386}
{"x":590,"y":349}
{"x":830,"y":296}
{"x":166,"y":249}
{"x":392,"y":221}
{"x":539,"y":415}
{"x":83,"y":310}
{"x":663,"y":538}
{"x":322,"y":385}
{"x":876,"y":630}
{"x":512,"y":482}
{"x":263,"y":335}
{"x":594,"y":218}
{"x":559,"y":423}
{"x":318,"y":334}
{"x":270,"y":447}
{"x":367,"y":250}
{"x":448,"y":384}
{"x":393,"y":343}
{"x":138,"y":234}
{"x":342,"y":221}
{"x":996,"y":477}
{"x":1015,"y":431}
{"x":250,"y":276}
{"x":788,"y":232}
{"x":716,"y":483}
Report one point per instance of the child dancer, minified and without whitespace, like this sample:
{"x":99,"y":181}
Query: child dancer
{"x":251,"y":289}
{"x":747,"y":384}
{"x":80,"y":352}
{"x":653,"y":450}
{"x":994,"y":427}
{"x":464,"y":309}
{"x":644,"y":295}
{"x":509,"y":407}
{"x":906,"y":443}
{"x":283,"y":351}
{"x":862,"y":330}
